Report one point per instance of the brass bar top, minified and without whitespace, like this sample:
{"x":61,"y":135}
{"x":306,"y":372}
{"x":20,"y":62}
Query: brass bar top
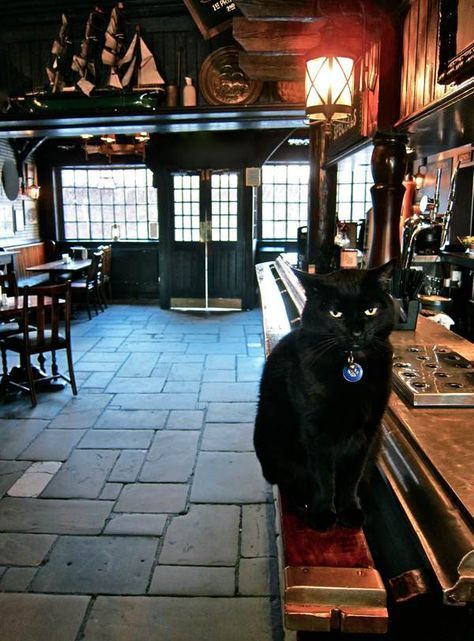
{"x":445,"y":435}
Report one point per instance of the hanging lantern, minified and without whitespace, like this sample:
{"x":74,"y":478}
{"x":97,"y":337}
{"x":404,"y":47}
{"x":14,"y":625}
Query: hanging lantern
{"x":329,"y":85}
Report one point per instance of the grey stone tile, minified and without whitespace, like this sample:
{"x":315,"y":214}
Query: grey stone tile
{"x":218,"y":375}
{"x":88,"y":366}
{"x":136,"y":524}
{"x":232,"y":437}
{"x":24,"y":549}
{"x":224,"y":361}
{"x":76,"y":420}
{"x":228,"y":477}
{"x":35,"y":479}
{"x":128,"y":465}
{"x":171,"y":457}
{"x":132,"y":420}
{"x":98,"y":380}
{"x":231,"y":412}
{"x":182,"y":580}
{"x":207,"y":535}
{"x":52,"y":445}
{"x":111,"y":491}
{"x":249,"y":369}
{"x":153,"y":497}
{"x":87,"y":402}
{"x":185,"y":420}
{"x":155,"y":401}
{"x":109,"y":330}
{"x":21,"y":408}
{"x":10,"y":472}
{"x":38,"y":611}
{"x":258,"y":530}
{"x":181,"y":358}
{"x":17,"y":579}
{"x":148,"y":347}
{"x":169,"y":618}
{"x":137,"y":385}
{"x":96,"y":356}
{"x":98,"y":565}
{"x":223,"y":392}
{"x":182,"y":387}
{"x":162,"y":369}
{"x":185,"y":372}
{"x":83,"y":475}
{"x":110,"y":342}
{"x":17,"y":434}
{"x":200,"y":338}
{"x":217,"y":348}
{"x":257,"y":577}
{"x":117,"y":439}
{"x":53,"y":516}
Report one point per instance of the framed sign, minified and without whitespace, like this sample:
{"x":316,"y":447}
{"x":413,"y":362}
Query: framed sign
{"x":456,"y":41}
{"x":212,"y":16}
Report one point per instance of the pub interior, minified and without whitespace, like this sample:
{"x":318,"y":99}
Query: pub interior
{"x":164,"y":164}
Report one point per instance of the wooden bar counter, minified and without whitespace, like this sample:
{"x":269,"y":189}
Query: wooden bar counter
{"x":427,"y":457}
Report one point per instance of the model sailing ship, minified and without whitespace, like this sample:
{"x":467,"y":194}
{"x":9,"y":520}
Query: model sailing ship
{"x":103,"y":69}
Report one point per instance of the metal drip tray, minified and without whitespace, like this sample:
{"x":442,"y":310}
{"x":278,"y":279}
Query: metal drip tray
{"x":429,"y":376}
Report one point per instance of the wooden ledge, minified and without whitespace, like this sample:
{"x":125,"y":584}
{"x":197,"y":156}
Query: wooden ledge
{"x":330,"y":582}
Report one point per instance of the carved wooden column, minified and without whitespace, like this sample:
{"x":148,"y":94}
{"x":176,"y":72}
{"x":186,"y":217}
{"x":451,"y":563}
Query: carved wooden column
{"x":321,"y":217}
{"x":388,"y":166}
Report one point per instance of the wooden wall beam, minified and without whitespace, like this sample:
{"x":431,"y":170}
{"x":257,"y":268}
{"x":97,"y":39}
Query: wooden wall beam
{"x":294,"y":37}
{"x":266,"y":66}
{"x":305,"y":10}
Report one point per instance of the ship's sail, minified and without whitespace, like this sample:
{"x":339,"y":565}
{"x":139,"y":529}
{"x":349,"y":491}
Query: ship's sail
{"x":84,"y":63}
{"x":55,"y":71}
{"x":113,"y":46}
{"x":141,"y":71}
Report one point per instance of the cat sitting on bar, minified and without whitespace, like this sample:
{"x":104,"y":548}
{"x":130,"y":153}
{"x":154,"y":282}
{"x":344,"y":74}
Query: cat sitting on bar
{"x":323,"y":392}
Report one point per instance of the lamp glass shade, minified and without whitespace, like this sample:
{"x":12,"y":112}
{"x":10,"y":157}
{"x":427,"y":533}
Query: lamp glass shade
{"x":33,"y":191}
{"x":329,"y":85}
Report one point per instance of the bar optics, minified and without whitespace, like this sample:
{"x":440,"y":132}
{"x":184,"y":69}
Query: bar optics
{"x":329,"y":85}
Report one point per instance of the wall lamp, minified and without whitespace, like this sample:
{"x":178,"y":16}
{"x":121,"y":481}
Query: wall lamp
{"x":329,"y":86}
{"x":420,"y":174}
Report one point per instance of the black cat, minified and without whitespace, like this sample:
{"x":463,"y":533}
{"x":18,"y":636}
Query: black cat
{"x":315,"y":431}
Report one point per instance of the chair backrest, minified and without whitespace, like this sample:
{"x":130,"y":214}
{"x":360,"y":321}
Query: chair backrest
{"x":8,"y":284}
{"x":51,"y":306}
{"x":94,"y":273}
{"x":106,"y":260}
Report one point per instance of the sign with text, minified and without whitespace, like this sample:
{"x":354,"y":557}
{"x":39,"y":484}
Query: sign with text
{"x":212,"y":16}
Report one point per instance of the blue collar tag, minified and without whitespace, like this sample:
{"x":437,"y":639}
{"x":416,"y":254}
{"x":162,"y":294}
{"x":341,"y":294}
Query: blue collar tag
{"x":352,"y":372}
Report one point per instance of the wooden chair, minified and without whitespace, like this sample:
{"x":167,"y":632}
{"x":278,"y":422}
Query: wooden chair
{"x":10,"y":288}
{"x":106,"y":286}
{"x":52,"y":333}
{"x":89,"y":288}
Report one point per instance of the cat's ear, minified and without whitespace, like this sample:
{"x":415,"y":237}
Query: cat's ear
{"x":310,"y":282}
{"x":383,"y":273}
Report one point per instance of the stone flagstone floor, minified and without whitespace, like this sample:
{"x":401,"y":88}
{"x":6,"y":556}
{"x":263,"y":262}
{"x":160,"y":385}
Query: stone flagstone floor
{"x":137,"y":511}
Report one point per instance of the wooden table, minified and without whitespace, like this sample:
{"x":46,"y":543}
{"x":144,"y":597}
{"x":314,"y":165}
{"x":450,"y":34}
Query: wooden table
{"x":58,"y":267}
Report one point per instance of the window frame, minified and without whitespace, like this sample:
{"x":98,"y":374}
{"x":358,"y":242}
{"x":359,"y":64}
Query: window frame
{"x":300,"y":202}
{"x":123,"y":224}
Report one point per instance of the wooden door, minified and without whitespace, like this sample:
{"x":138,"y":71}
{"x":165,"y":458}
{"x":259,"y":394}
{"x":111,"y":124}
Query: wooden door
{"x":206,"y":245}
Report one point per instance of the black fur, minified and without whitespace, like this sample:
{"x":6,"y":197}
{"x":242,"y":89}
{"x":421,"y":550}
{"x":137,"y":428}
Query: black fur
{"x":315,"y":433}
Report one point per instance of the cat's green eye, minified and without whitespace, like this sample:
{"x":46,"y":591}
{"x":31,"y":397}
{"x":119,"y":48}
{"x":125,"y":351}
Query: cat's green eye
{"x":371,"y":311}
{"x":335,"y":314}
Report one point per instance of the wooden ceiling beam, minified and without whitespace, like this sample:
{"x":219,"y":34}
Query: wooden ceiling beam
{"x":307,"y":10}
{"x":265,"y":66}
{"x":294,"y":37}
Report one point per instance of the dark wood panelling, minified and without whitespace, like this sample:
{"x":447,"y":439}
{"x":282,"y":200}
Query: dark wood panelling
{"x":225,"y":270}
{"x":420,"y":58}
{"x":187,"y":271}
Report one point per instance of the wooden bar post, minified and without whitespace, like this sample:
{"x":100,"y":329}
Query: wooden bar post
{"x":388,"y":166}
{"x":321,"y":218}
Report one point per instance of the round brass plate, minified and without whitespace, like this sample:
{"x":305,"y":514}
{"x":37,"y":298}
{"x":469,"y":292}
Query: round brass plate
{"x":222,"y":81}
{"x":10,"y":179}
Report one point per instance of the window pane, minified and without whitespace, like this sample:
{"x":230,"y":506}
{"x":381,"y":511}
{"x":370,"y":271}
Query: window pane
{"x":101,"y":199}
{"x":284,"y":200}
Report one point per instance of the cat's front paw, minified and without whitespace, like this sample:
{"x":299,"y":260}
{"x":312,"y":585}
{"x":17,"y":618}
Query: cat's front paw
{"x":322,"y":520}
{"x":351,"y":517}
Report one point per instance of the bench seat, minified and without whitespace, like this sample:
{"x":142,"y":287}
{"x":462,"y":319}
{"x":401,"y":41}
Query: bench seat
{"x":328,"y":579}
{"x":28,"y":256}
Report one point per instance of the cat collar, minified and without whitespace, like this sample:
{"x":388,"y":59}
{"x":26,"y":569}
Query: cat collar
{"x":352,"y":371}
